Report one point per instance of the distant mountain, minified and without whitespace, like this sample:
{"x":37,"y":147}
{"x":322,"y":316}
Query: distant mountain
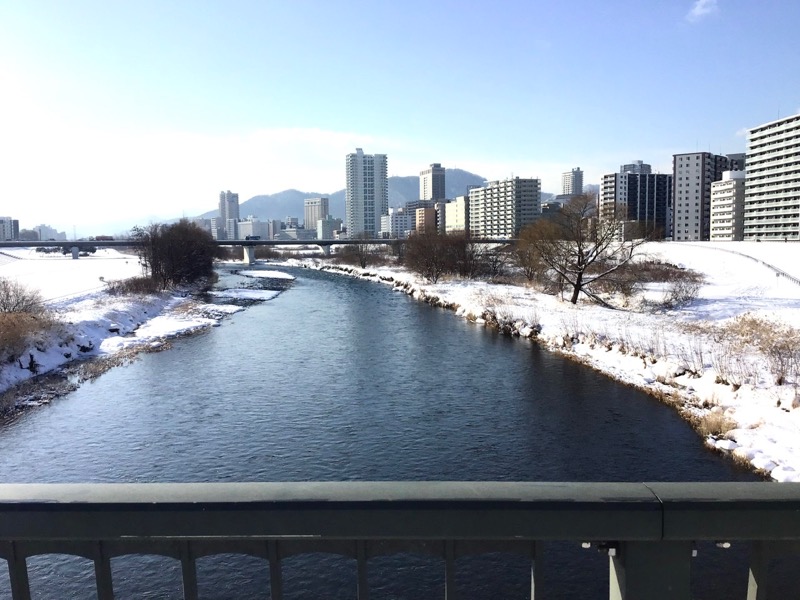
{"x":401,"y":190}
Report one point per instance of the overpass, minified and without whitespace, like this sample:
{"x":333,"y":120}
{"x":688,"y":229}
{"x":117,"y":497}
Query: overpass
{"x":648,"y":531}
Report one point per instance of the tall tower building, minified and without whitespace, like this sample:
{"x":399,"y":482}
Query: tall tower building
{"x":692,"y":176}
{"x":367,"y":193}
{"x":572,"y":182}
{"x":772,"y":181}
{"x":228,"y":214}
{"x":314,"y":209}
{"x":431,"y":183}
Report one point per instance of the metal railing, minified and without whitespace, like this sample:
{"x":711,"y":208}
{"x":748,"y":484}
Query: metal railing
{"x":648,"y":529}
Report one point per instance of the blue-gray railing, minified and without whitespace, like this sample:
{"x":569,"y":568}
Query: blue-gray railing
{"x":648,"y":529}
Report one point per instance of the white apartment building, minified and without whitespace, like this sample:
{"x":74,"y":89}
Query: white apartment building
{"x":314,"y":209}
{"x":327,"y":226}
{"x":396,"y":224}
{"x":572,"y":182}
{"x":456,"y":215}
{"x":431,"y":183}
{"x":366,"y":194}
{"x":772,"y":183}
{"x":228,"y":215}
{"x":727,"y":207}
{"x":500,"y":209}
{"x":692,"y":176}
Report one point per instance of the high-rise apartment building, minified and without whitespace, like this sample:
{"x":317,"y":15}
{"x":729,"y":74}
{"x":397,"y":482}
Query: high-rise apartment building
{"x":772,"y":182}
{"x":572,"y":182}
{"x":500,"y":209}
{"x":314,"y":209}
{"x":727,"y":207}
{"x":228,"y":215}
{"x":637,"y":166}
{"x":9,"y":229}
{"x":431,"y":183}
{"x":643,"y":198}
{"x":692,"y":176}
{"x":366,"y":194}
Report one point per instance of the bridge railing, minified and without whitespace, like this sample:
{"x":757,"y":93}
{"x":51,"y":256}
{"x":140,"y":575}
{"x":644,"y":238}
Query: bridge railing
{"x":648,"y":529}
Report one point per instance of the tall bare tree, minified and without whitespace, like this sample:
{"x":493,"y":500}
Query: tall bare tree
{"x":577,"y":247}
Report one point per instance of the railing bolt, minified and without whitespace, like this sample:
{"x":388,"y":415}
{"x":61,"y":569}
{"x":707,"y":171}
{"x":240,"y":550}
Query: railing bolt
{"x":586,"y":545}
{"x":610,"y":548}
{"x":724,"y":545}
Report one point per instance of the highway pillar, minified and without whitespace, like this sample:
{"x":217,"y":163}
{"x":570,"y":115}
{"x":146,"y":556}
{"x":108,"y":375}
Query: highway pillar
{"x":249,"y":255}
{"x":75,"y":252}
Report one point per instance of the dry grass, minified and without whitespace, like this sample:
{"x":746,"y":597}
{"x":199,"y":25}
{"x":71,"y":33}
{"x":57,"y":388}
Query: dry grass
{"x":17,"y":332}
{"x":713,"y":423}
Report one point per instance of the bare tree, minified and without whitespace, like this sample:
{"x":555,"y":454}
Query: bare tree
{"x":16,"y":298}
{"x":428,"y":254}
{"x":577,"y":247}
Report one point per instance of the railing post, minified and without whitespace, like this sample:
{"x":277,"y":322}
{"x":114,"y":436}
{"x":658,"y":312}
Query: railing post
{"x":18,"y":573}
{"x":536,"y":567}
{"x":650,"y":571}
{"x":102,"y":574}
{"x":361,"y":566}
{"x":757,"y":579}
{"x":449,"y":570}
{"x":188,"y":572}
{"x":275,"y":581}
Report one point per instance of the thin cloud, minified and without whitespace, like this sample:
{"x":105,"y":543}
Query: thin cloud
{"x":742,"y":132}
{"x":701,"y":9}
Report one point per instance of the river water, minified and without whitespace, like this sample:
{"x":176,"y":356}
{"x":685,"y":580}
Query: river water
{"x":343,"y":379}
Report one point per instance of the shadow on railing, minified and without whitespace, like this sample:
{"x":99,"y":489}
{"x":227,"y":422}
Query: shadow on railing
{"x":647,"y":529}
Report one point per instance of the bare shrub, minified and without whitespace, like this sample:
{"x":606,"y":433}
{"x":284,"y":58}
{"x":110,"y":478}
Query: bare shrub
{"x":681,"y":292}
{"x":133,"y":285}
{"x":16,"y":298}
{"x":693,"y":356}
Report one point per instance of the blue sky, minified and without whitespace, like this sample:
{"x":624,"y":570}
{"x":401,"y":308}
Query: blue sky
{"x":118,"y":113}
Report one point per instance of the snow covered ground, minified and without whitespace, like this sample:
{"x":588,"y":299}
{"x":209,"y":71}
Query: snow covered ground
{"x":676,"y":354}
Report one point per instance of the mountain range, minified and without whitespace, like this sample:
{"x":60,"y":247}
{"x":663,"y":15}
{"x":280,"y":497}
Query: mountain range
{"x":402,"y":189}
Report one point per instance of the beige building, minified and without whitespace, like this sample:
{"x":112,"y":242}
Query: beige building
{"x":314,"y":209}
{"x":456,"y":215}
{"x":727,"y":207}
{"x":500,"y":209}
{"x":426,"y":220}
{"x":772,"y":183}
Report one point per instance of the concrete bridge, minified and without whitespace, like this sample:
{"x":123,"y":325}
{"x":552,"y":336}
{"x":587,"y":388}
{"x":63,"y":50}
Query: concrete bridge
{"x":77,"y":246}
{"x":647,"y":530}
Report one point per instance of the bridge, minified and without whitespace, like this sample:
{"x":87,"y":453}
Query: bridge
{"x":249,"y":246}
{"x":648,"y":530}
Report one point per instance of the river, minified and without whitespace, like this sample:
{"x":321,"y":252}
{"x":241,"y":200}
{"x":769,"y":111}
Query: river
{"x":342,"y":379}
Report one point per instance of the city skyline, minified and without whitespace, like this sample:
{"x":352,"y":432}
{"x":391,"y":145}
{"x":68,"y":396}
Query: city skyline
{"x":141,"y":107}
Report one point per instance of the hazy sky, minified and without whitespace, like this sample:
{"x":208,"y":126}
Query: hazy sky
{"x":118,"y":113}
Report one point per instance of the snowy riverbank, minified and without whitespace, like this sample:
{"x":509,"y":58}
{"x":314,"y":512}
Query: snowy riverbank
{"x":94,"y":324}
{"x":684,"y":356}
